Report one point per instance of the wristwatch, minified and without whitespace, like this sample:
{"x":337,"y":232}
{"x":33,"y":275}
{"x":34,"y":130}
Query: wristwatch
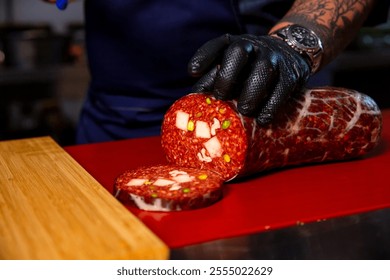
{"x":304,"y":41}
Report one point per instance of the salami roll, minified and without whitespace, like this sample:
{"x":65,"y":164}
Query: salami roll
{"x":168,"y":188}
{"x":317,"y":125}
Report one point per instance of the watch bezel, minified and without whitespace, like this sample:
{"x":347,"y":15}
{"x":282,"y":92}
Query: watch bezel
{"x":312,"y":54}
{"x":293,"y":42}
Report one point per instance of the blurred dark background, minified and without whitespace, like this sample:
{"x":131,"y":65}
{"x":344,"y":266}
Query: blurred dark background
{"x":43,"y":71}
{"x":44,"y":76}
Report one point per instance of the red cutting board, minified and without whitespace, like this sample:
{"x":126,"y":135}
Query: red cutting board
{"x":267,"y":201}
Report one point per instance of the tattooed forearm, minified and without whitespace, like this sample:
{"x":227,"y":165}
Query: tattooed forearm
{"x":335,"y":21}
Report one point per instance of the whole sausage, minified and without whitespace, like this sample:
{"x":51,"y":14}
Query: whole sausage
{"x":317,"y":125}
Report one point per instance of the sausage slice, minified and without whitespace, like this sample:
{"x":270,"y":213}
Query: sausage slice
{"x":168,"y":188}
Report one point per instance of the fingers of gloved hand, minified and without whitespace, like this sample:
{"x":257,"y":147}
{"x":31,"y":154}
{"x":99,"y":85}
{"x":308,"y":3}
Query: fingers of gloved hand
{"x":206,"y":82}
{"x":235,"y":59}
{"x":258,"y":85}
{"x":207,"y":54}
{"x":285,"y":87}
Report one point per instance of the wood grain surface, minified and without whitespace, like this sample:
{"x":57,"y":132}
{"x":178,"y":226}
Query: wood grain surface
{"x":51,"y":208}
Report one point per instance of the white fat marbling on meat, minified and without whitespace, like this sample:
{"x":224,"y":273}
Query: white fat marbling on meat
{"x":375,"y":134}
{"x":295,"y":127}
{"x":254,"y":128}
{"x":356,"y":116}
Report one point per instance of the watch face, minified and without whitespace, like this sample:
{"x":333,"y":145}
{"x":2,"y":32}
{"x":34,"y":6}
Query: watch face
{"x":303,"y":36}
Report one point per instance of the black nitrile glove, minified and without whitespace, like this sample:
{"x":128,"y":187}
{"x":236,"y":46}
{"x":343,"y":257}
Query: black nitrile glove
{"x":261,"y":72}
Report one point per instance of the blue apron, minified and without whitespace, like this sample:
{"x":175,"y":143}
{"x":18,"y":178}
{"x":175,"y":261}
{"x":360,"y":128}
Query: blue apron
{"x":138,"y":52}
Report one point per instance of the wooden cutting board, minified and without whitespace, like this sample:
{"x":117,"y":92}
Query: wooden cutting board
{"x":51,"y":208}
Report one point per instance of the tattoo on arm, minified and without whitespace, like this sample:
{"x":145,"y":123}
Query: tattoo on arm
{"x":335,"y":21}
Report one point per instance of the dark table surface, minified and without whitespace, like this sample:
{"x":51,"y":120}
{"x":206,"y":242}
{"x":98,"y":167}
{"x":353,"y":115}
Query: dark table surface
{"x":364,"y":236}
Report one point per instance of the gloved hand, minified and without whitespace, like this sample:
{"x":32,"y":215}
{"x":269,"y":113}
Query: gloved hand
{"x":62,"y":4}
{"x":261,"y":72}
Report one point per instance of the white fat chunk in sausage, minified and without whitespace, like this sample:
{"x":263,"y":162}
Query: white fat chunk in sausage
{"x":156,"y":206}
{"x":183,"y":178}
{"x":213,"y":147}
{"x":203,"y":157}
{"x":175,"y":187}
{"x":163,"y":182}
{"x":202,"y":129}
{"x":216,"y":125}
{"x":136,"y":182}
{"x":182,"y":120}
{"x":177,"y":172}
